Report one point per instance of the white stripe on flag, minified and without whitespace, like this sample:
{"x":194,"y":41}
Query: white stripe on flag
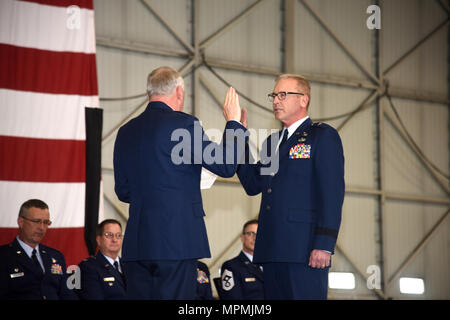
{"x":33,"y":25}
{"x":65,"y":201}
{"x":41,"y":115}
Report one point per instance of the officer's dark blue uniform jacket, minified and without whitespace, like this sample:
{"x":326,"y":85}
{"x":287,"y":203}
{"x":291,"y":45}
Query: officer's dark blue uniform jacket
{"x":241,"y":279}
{"x":20,"y":278}
{"x":100,"y":280}
{"x":166,"y":211}
{"x":302,"y":202}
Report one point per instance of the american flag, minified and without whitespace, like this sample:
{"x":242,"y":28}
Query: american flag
{"x":47,"y":77}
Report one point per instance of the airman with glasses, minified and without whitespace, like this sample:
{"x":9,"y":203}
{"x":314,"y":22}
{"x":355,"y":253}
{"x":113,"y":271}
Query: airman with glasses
{"x":29,"y":269}
{"x":102,"y":277}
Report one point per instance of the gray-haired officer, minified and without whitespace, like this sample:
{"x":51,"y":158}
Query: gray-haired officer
{"x":241,"y":278}
{"x":30,"y":270}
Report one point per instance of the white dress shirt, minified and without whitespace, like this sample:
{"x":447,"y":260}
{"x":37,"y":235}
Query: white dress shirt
{"x":291,"y":129}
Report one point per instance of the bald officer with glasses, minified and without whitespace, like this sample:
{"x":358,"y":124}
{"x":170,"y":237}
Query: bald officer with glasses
{"x":30,"y":270}
{"x":102,"y":276}
{"x":300,"y":212}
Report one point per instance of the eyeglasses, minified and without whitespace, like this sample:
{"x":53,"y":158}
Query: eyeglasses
{"x":38,"y":221}
{"x":110,"y":235}
{"x":282,"y":95}
{"x":250,"y":234}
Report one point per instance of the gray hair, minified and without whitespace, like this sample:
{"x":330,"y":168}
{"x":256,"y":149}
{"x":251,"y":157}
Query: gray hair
{"x":163,"y":81}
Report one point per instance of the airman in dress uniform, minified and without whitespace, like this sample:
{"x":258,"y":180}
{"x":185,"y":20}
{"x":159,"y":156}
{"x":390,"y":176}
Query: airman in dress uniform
{"x":30,"y":270}
{"x":241,"y":278}
{"x":301,"y":203}
{"x":102,"y":275}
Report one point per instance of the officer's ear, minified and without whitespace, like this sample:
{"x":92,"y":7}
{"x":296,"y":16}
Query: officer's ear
{"x":304,"y":102}
{"x":97,"y":239}
{"x":20,"y":222}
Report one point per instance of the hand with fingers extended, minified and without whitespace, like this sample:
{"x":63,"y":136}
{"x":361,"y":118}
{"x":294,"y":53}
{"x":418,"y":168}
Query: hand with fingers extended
{"x":231,"y":107}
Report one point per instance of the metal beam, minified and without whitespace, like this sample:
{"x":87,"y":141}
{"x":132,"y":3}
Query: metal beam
{"x":186,"y":45}
{"x":146,"y":48}
{"x":329,"y":30}
{"x":369,"y":192}
{"x":205,"y":43}
{"x":140,"y":47}
{"x":136,"y":111}
{"x":416,"y":46}
{"x":133,"y":114}
{"x":331,"y":80}
{"x":288,"y":61}
{"x":368,"y":100}
{"x":414,"y":253}
{"x":197,"y":56}
{"x":397,"y":126}
{"x":378,"y":292}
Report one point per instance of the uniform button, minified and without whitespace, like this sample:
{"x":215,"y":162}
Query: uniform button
{"x":268,"y":207}
{"x":269,"y":190}
{"x":272,"y":174}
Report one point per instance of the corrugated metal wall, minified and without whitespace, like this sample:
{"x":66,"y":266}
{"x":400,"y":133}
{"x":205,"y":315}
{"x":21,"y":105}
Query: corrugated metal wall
{"x":395,"y":212}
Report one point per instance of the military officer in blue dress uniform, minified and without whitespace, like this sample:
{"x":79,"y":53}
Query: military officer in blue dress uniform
{"x":30,"y":270}
{"x":158,"y":159}
{"x":102,"y":276}
{"x":302,"y":197}
{"x":241,"y":278}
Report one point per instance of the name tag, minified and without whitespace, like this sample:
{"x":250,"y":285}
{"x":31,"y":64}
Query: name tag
{"x":109,"y":279}
{"x":250,"y":279}
{"x":16,"y":275}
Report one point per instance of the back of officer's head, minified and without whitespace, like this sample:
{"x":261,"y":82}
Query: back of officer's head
{"x":163,"y":81}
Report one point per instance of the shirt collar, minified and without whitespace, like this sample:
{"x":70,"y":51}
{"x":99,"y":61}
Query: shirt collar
{"x":248,"y":255}
{"x":28,"y":250}
{"x":293,"y":127}
{"x":111,"y":260}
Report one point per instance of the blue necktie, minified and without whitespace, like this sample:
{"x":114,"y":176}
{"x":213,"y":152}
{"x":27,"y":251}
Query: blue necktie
{"x":35,"y":260}
{"x":285,"y":136}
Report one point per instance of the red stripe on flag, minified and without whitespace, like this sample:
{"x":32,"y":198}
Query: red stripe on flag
{"x":46,"y":71}
{"x":70,"y":241}
{"x":87,"y":4}
{"x":42,"y":160}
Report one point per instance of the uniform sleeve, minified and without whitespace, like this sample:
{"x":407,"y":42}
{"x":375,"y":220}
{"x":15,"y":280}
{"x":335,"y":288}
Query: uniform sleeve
{"x":91,"y":288}
{"x":64,"y":292}
{"x":221,"y":159}
{"x":230,"y":282}
{"x":249,"y":173}
{"x":330,"y":188}
{"x":121,"y":186}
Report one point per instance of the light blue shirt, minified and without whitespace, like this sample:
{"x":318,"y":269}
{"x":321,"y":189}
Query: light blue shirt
{"x":111,"y":261}
{"x":248,"y":255}
{"x":29,"y":251}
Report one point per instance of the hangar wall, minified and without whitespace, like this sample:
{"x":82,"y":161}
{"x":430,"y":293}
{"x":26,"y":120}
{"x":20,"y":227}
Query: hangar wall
{"x":396,"y":208}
